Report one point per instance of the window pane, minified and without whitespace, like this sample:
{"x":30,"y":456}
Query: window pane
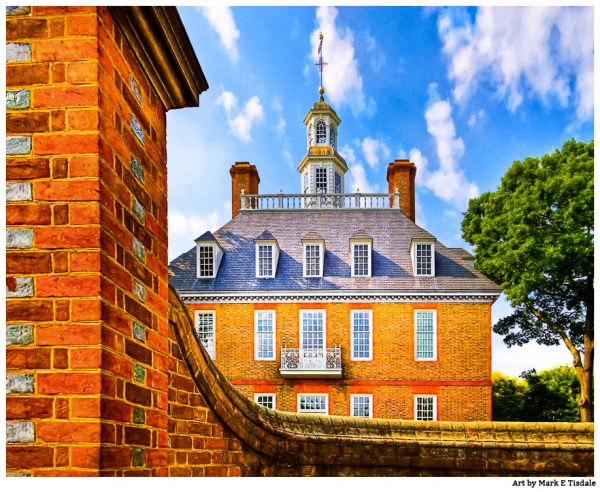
{"x":265,"y":260}
{"x":423,"y":259}
{"x":313,"y":404}
{"x":312,"y":330}
{"x":321,"y":132}
{"x":205,"y":327}
{"x":361,"y":335}
{"x":425,"y":408}
{"x":361,"y":406}
{"x":313,"y":259}
{"x":265,"y":401}
{"x":321,"y":180}
{"x":205,"y":261}
{"x":361,"y":259}
{"x":425,"y":334}
{"x":264,"y":335}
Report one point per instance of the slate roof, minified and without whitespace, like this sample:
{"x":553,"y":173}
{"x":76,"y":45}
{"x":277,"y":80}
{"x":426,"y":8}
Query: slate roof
{"x":391,"y":262}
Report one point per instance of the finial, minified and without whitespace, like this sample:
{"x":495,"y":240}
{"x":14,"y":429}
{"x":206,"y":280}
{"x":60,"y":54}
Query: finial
{"x":321,"y":64}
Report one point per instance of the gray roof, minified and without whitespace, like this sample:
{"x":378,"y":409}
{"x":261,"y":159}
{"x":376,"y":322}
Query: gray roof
{"x":391,"y":262}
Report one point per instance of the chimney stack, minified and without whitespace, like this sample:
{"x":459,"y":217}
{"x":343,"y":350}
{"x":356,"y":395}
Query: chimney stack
{"x":401,"y":175}
{"x":244,"y":176}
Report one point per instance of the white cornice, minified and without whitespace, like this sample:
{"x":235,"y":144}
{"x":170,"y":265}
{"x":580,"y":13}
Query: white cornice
{"x":336,"y":296}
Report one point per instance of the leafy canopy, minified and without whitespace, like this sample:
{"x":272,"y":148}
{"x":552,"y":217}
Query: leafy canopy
{"x":534,"y":236}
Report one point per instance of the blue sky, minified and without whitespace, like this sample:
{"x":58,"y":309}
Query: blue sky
{"x":461,"y":92}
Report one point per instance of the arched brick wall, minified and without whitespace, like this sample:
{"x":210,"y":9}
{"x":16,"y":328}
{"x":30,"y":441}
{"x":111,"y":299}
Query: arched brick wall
{"x":104,"y":374}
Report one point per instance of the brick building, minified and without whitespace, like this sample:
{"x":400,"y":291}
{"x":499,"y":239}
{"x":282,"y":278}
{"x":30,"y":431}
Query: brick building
{"x":334,"y":303}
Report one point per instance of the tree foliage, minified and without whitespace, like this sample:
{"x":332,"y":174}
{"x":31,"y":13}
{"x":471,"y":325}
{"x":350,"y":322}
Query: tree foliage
{"x":534,"y":236}
{"x":550,"y":396}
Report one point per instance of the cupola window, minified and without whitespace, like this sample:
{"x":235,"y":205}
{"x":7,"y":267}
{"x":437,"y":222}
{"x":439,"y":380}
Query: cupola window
{"x":332,"y":137}
{"x":321,"y":132}
{"x":321,"y":180}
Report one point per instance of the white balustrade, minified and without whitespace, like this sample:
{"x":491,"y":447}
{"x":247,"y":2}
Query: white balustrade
{"x":281,"y":201}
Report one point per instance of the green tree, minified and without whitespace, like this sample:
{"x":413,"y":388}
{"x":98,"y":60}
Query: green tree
{"x":534,"y":236}
{"x":507,"y":398}
{"x":551,"y":396}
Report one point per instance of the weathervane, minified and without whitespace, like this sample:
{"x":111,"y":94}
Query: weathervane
{"x":321,"y":64}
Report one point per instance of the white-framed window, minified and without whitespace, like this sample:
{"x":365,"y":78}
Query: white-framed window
{"x":425,"y":334}
{"x":315,"y":403}
{"x":361,"y":259}
{"x":332,"y":137}
{"x":264,"y":335}
{"x":265,"y":399}
{"x":423,"y":257}
{"x":337,"y":183}
{"x":265,"y":260}
{"x":312,"y":329}
{"x":206,"y":261}
{"x":205,"y":328}
{"x":425,"y":407}
{"x":321,"y":132}
{"x":361,"y":406}
{"x":361,"y":323}
{"x":321,"y":180}
{"x":313,"y":260}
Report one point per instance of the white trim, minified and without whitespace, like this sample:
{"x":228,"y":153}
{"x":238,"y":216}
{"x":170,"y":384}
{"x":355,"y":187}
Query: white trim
{"x":256,"y":313}
{"x":342,"y":295}
{"x":352,"y":396}
{"x":360,"y":242}
{"x":273,"y":395}
{"x":326,"y":395}
{"x":324,"y":311}
{"x":370,"y":311}
{"x":321,"y":257}
{"x":413,"y":254}
{"x":435,"y":416}
{"x":213,"y":356}
{"x":217,"y":256}
{"x":434,"y":311}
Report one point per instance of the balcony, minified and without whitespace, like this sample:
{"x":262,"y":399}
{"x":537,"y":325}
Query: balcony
{"x":311,"y":363}
{"x":281,"y":201}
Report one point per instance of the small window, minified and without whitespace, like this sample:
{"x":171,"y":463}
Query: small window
{"x":265,"y":260}
{"x":264,"y":335}
{"x":332,"y":137}
{"x":423,"y":259}
{"x":321,"y":179}
{"x":313,"y":404}
{"x":321,"y":132}
{"x":425,"y":407}
{"x":425,"y":335}
{"x":361,"y":259}
{"x":361,"y":406}
{"x":338,"y":183}
{"x":206,"y":261}
{"x":205,"y":328}
{"x":312,"y":260}
{"x":265,"y":399}
{"x":362,"y":339}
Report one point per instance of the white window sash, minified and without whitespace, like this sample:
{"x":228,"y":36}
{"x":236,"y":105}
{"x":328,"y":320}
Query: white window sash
{"x":416,"y":313}
{"x":319,"y":259}
{"x":259,"y":274}
{"x":303,"y":338}
{"x":370,"y":405}
{"x":369,"y":259}
{"x":324,"y":411}
{"x":370,"y":334}
{"x":273,"y":397}
{"x":212,"y":341}
{"x":258,"y":335}
{"x":433,"y":400}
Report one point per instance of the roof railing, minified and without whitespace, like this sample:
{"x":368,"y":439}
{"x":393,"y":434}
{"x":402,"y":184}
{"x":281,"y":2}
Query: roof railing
{"x":286,"y":201}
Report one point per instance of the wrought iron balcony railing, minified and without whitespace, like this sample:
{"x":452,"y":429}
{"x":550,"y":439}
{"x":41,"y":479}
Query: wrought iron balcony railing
{"x":284,"y":201}
{"x":313,"y":362}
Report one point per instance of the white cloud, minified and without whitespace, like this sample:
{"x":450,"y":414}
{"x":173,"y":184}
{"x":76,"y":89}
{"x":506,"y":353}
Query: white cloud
{"x":357,"y":174}
{"x":377,"y":57}
{"x":476,"y":117}
{"x":541,"y":52}
{"x":341,"y":77}
{"x":241,"y":124}
{"x":372,"y":149}
{"x":448,"y":182}
{"x":221,"y":20}
{"x":183,"y":229}
{"x":281,"y":123}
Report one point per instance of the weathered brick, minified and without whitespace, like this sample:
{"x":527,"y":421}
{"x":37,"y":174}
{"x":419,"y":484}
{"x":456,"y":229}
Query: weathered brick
{"x":26,"y":28}
{"x":29,"y":457}
{"x":56,"y":97}
{"x":19,"y":334}
{"x":28,"y":122}
{"x":137,"y":435}
{"x":20,"y":10}
{"x":67,"y":50}
{"x":20,"y":432}
{"x":68,"y":334}
{"x":17,"y":99}
{"x":28,"y":407}
{"x":72,"y":190}
{"x":70,"y":143}
{"x":137,"y":457}
{"x":18,"y":52}
{"x":18,"y":145}
{"x":19,"y":383}
{"x":18,"y":191}
{"x":139,"y":373}
{"x":27,"y":358}
{"x":28,"y":215}
{"x":139,"y":332}
{"x":19,"y":287}
{"x":30,"y":74}
{"x":68,"y":383}
{"x":68,"y":285}
{"x":82,"y":72}
{"x":27,"y":169}
{"x":138,"y":352}
{"x":138,"y":394}
{"x":139,"y":291}
{"x":19,"y":238}
{"x":67,"y":237}
{"x":29,"y":310}
{"x":28,"y":263}
{"x":77,"y":432}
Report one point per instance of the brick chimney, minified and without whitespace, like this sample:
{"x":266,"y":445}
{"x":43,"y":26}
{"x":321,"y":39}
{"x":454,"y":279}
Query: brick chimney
{"x":244,"y":176}
{"x":401,"y":175}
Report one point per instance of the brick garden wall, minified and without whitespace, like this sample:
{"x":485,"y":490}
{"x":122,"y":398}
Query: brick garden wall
{"x":104,"y":374}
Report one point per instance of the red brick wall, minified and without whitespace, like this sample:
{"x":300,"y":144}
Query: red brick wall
{"x":460,"y":377}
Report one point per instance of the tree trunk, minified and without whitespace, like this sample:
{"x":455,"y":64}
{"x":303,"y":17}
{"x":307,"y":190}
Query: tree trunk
{"x":585,"y":370}
{"x":586,"y":401}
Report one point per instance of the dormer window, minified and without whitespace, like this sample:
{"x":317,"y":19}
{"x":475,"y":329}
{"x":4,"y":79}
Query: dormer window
{"x":313,"y":247}
{"x":361,"y":245}
{"x":423,"y":257}
{"x":208,"y":256}
{"x":321,"y":132}
{"x":267,"y":255}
